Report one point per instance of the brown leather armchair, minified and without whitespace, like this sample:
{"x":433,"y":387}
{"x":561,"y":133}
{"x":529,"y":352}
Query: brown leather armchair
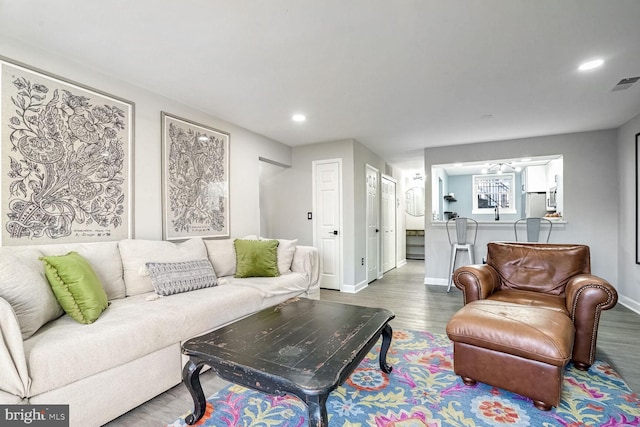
{"x":553,"y":276}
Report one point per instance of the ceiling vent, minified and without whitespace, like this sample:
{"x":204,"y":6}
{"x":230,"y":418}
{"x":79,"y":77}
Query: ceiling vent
{"x":626,"y":83}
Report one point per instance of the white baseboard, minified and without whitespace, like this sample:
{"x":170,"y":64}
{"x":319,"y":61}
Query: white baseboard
{"x":435,"y":281}
{"x":629,"y":303}
{"x":354,"y":289}
{"x":401,"y":263}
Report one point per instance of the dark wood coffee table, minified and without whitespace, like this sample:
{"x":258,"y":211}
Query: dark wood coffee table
{"x":302,"y":347}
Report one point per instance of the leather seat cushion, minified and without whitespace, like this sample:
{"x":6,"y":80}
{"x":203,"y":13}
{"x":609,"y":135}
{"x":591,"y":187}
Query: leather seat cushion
{"x":531,"y":299}
{"x":526,"y":331}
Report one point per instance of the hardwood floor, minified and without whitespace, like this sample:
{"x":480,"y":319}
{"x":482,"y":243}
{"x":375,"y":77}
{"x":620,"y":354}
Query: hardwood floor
{"x":416,"y":307}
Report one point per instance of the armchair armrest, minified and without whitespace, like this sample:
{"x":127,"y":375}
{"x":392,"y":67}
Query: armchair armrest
{"x":13,"y":364}
{"x":586,"y":296}
{"x":476,"y":281}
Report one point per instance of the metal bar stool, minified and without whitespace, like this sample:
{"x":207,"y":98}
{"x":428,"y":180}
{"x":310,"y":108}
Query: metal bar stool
{"x":461,"y":243}
{"x":534,"y":225}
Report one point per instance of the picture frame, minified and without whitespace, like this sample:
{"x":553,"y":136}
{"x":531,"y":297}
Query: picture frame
{"x":195,"y":179}
{"x":637,"y":198}
{"x":67,"y":160}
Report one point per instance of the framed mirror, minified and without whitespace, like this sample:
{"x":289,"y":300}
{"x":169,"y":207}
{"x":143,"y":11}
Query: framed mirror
{"x":414,"y":201}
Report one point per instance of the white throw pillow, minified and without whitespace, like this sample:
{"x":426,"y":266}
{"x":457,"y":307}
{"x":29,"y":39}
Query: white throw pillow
{"x":136,"y":253}
{"x":24,"y":285}
{"x":286,"y":249}
{"x":222,"y":255}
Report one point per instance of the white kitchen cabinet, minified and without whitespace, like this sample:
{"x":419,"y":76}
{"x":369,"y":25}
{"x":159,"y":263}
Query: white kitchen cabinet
{"x":534,"y":179}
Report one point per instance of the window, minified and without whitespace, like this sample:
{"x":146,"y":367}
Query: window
{"x":492,"y":190}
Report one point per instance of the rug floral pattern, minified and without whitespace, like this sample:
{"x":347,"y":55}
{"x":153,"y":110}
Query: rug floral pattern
{"x":422,"y":390}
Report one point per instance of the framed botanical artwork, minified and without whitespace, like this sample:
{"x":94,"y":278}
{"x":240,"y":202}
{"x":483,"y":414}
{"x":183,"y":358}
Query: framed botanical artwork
{"x":195,"y":179}
{"x":67,"y":160}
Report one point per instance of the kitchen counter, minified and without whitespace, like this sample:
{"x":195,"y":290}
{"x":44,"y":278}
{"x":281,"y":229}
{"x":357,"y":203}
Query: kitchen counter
{"x":506,"y":222}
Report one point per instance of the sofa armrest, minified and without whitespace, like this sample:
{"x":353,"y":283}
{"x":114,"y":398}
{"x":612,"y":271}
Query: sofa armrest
{"x":476,"y":281}
{"x":13,"y":364}
{"x":586,"y":296}
{"x":306,"y":260}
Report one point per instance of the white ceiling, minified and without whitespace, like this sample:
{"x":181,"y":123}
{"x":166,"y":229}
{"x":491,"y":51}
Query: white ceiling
{"x":396,"y":75}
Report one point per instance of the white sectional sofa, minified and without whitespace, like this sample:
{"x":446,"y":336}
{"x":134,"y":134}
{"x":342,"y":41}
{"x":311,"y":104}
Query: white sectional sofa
{"x":131,"y":353}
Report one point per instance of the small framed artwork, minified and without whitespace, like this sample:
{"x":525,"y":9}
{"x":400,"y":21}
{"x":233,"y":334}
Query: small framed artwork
{"x":67,"y":160}
{"x":195,"y":179}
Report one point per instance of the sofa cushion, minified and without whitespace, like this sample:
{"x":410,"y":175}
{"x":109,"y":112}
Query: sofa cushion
{"x":256,"y":258}
{"x":170,"y":278}
{"x":272,"y":290}
{"x":76,"y":286}
{"x":104,"y":257}
{"x":222,"y":255}
{"x":24,"y":286}
{"x":137,"y":252}
{"x":131,"y":328}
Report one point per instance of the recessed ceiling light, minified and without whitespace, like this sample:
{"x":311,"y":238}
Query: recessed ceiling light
{"x":457,"y":165}
{"x":590,"y":65}
{"x":298,"y":118}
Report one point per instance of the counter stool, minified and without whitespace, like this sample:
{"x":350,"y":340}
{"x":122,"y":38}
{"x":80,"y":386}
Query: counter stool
{"x":460,"y":243}
{"x":534,"y":224}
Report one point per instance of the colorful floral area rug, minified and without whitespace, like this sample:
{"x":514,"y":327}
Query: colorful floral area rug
{"x":422,"y":390}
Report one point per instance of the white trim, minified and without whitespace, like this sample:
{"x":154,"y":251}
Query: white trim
{"x":629,"y":303}
{"x":354,"y":289}
{"x":401,"y":263}
{"x":436,"y":281}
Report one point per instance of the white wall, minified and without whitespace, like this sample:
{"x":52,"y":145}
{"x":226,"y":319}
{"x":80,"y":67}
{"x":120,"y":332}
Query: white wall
{"x":298,"y":199}
{"x":245,"y":146}
{"x":591,"y":197}
{"x":629,"y":272}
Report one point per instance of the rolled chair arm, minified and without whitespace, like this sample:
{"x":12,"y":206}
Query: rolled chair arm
{"x":586,"y":296}
{"x":476,"y":281}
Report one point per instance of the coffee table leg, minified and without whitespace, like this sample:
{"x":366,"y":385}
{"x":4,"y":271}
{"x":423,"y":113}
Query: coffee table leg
{"x":387,"y":333}
{"x":191,"y":379}
{"x":317,"y":410}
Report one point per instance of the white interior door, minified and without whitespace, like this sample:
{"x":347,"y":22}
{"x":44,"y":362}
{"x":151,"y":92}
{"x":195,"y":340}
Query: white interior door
{"x":373,"y":225}
{"x":327,"y":220}
{"x":388,"y":208}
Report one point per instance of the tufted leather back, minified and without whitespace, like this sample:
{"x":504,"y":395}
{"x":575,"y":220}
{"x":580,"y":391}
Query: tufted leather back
{"x":539,"y":267}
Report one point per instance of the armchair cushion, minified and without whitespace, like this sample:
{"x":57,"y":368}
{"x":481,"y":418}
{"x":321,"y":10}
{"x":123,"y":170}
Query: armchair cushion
{"x":537,"y":267}
{"x":531,"y":299}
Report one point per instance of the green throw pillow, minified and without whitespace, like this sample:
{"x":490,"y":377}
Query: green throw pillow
{"x":76,"y":286}
{"x":256,"y":258}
